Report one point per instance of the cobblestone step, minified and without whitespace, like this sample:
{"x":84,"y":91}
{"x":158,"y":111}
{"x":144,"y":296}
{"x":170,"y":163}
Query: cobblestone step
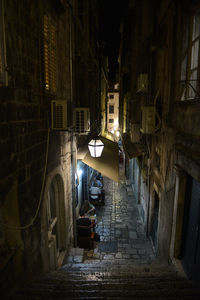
{"x":139,"y":268}
{"x":109,"y":284}
{"x":103,"y":292}
{"x":93,"y":281}
{"x":95,"y":275}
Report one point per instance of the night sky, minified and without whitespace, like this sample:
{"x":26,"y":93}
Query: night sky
{"x":110,"y":15}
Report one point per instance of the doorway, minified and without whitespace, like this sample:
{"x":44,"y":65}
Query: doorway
{"x":55,"y":220}
{"x":190,"y":254}
{"x":154,"y":226}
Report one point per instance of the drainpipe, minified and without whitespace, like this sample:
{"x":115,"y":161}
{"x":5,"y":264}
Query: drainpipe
{"x":73,"y":163}
{"x":73,"y":141}
{"x":70,"y":54}
{"x":148,"y":202}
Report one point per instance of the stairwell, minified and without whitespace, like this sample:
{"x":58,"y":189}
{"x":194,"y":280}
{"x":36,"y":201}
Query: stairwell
{"x":121,"y":266}
{"x":103,"y":280}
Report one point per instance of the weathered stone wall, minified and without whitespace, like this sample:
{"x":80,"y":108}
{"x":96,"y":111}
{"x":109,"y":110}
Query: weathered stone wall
{"x":157,"y":51}
{"x":37,"y":161}
{"x":27,"y":141}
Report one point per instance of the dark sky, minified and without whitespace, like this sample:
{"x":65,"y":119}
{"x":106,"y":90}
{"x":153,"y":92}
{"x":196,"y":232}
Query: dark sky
{"x":110,"y":15}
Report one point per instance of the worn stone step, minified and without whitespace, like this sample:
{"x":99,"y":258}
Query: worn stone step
{"x":115,"y":294}
{"x":122,"y":276}
{"x":53,"y":287}
{"x":99,"y":278}
{"x":93,"y":280}
{"x":20,"y":297}
{"x":171,"y":288}
{"x":98,"y":281}
{"x":119,"y":272}
{"x":110,"y":267}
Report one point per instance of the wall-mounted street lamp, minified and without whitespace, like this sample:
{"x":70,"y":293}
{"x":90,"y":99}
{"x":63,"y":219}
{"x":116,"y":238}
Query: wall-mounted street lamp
{"x":95,"y":147}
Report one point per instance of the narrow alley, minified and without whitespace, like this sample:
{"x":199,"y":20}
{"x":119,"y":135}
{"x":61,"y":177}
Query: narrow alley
{"x":100,"y":98}
{"x":122,"y":233}
{"x":121,"y":266}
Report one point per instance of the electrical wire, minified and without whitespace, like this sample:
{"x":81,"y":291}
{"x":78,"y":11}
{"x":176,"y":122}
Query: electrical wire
{"x":157,"y":114}
{"x":41,"y":195}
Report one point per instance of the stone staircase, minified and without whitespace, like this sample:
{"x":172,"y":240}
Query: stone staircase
{"x":106,"y":280}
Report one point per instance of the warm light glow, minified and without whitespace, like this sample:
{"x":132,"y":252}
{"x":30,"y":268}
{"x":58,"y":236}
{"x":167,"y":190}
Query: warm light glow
{"x":80,"y":172}
{"x":49,"y":52}
{"x":117,"y":133}
{"x":95,"y":147}
{"x":116,"y":123}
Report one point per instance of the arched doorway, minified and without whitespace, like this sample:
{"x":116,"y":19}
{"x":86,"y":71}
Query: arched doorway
{"x":55,"y":223}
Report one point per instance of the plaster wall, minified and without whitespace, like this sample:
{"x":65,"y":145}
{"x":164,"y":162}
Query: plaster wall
{"x":115,"y":116}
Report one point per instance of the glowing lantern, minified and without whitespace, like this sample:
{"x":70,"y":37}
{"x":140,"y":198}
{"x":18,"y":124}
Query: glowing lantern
{"x":95,"y":147}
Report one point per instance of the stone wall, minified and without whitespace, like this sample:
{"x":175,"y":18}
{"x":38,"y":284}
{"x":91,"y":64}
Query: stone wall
{"x":30,"y":149}
{"x":157,"y":50}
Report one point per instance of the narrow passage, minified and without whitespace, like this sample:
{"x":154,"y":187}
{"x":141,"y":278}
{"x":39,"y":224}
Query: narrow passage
{"x":122,"y":235}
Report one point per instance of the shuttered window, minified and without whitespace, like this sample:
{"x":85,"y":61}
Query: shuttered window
{"x":3,"y":73}
{"x":111,"y":109}
{"x":191,"y":58}
{"x":49,"y":54}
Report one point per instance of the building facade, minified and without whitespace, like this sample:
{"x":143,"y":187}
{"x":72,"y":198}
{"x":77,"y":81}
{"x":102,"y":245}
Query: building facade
{"x":49,"y":72}
{"x":113,"y":109}
{"x":159,"y":112}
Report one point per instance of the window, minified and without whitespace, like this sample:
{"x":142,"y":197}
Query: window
{"x":55,"y":212}
{"x":190,"y":58}
{"x":3,"y":73}
{"x":49,"y":54}
{"x":111,"y":120}
{"x":111,"y":109}
{"x":111,"y":96}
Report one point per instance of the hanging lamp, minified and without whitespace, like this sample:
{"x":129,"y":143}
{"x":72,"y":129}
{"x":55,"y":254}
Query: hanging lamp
{"x":95,"y":147}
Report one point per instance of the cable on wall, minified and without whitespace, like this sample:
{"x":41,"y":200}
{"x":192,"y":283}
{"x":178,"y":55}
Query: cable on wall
{"x":41,"y":194}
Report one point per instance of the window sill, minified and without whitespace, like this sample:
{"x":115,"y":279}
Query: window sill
{"x":189,"y":102}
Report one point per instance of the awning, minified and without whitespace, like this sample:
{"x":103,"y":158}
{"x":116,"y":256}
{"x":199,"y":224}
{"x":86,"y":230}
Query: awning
{"x":108,"y":163}
{"x":131,"y":149}
{"x":82,"y":151}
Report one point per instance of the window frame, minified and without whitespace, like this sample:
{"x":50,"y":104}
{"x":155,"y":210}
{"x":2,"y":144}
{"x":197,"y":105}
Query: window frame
{"x":190,"y":86}
{"x":111,"y":111}
{"x":49,"y":53}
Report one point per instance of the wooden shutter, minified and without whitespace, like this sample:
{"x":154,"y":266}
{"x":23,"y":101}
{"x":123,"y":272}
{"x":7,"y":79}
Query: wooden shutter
{"x":49,"y":54}
{"x":3,"y":73}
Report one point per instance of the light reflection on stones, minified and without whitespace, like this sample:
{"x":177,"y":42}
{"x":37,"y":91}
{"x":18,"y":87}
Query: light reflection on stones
{"x":118,"y":220}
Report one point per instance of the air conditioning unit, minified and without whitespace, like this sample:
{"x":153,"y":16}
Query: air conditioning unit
{"x":148,"y":119}
{"x":142,"y":83}
{"x":82,"y":116}
{"x":135,"y":132}
{"x":59,"y":114}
